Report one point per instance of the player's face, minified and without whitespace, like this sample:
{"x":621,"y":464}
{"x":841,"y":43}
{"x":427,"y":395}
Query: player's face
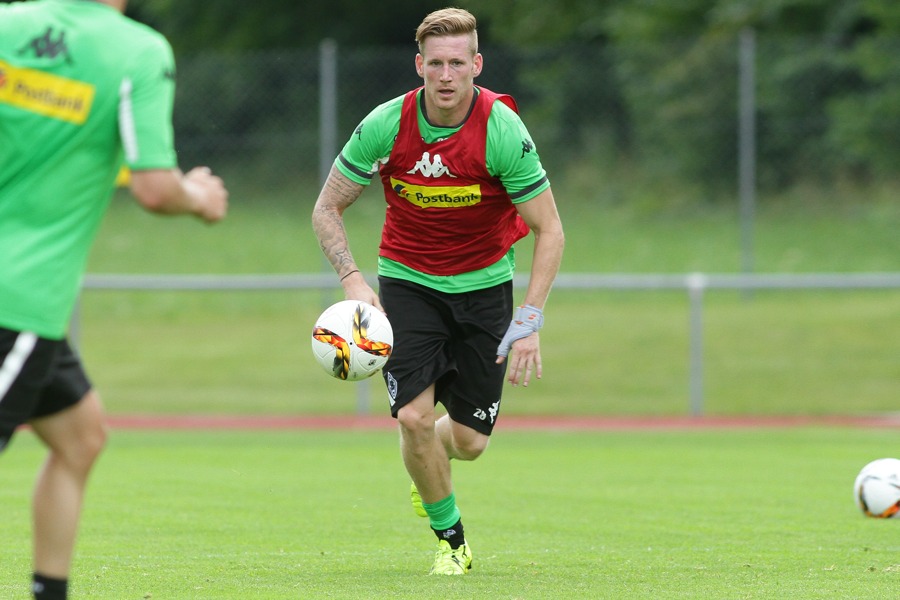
{"x":449,"y":68}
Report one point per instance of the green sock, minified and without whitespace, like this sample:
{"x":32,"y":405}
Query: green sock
{"x":443,"y":514}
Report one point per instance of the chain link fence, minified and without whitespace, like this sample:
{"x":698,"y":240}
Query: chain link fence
{"x":662,"y":113}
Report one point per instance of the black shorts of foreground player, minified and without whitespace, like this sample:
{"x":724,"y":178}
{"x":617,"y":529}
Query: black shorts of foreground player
{"x":445,"y":335}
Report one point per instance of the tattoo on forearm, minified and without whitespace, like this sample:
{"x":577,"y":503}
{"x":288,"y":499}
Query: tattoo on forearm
{"x":333,"y":239}
{"x":337,"y":194}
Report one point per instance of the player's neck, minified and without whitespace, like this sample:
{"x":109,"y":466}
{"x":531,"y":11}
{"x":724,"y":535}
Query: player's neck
{"x":437,"y":118}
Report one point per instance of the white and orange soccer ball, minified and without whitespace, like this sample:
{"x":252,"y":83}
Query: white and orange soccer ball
{"x":877,"y":489}
{"x":352,"y":340}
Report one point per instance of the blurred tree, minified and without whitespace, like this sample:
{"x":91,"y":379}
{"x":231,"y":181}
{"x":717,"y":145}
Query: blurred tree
{"x":646,"y":76}
{"x":654,"y":72}
{"x":576,"y":64}
{"x":865,"y":121}
{"x":822,"y":89}
{"x":265,"y":24}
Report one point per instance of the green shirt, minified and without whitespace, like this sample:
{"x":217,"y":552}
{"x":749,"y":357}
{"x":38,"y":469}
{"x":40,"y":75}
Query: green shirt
{"x":82,"y":89}
{"x":520,"y":173}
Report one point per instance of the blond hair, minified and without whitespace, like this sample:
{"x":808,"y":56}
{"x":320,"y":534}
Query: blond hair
{"x":448,"y":21}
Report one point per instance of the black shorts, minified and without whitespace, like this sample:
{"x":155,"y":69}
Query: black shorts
{"x":449,"y":340}
{"x":38,"y":377}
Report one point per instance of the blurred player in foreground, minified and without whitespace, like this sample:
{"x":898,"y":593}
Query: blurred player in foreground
{"x":463,"y":182}
{"x":82,"y":88}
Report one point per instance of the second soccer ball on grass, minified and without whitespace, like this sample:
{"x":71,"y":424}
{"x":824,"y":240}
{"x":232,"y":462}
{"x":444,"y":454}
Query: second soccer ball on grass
{"x":877,"y":488}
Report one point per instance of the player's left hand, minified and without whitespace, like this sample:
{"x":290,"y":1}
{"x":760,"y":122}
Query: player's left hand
{"x":524,"y":360}
{"x":522,"y":339}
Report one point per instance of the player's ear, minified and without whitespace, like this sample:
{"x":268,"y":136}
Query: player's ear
{"x":420,"y":66}
{"x":478,"y":63}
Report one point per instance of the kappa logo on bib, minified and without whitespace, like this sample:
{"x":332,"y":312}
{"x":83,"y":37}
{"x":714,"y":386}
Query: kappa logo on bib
{"x":431,"y":166}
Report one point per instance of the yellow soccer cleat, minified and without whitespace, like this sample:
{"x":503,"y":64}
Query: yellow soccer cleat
{"x":448,"y":561}
{"x":416,"y":501}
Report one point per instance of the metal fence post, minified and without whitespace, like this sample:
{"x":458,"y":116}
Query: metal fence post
{"x":328,"y":136}
{"x":747,"y":144}
{"x":328,"y":94}
{"x":696,"y":285}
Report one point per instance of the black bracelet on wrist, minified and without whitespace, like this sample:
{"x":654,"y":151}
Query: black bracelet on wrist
{"x":349,"y":274}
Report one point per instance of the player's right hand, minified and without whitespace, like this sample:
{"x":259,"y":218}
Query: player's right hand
{"x":357,"y":288}
{"x":214,"y":205}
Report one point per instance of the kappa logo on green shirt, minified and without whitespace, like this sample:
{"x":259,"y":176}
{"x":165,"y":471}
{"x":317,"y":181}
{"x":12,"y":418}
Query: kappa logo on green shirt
{"x":527,"y":146}
{"x":46,"y":46}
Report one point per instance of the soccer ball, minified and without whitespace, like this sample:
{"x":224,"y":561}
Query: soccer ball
{"x":352,"y":340}
{"x":877,"y":488}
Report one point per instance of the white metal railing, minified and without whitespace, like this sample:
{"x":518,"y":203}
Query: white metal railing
{"x":625,"y":281}
{"x":695,"y":284}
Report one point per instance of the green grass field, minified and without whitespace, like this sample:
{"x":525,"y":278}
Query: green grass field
{"x":638,"y":513}
{"x":273,"y":235}
{"x":605,"y":352}
{"x":248,"y":353}
{"x":734,"y":513}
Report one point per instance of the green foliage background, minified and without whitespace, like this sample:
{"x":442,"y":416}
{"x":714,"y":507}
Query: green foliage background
{"x":647,"y":79}
{"x":633,"y":83}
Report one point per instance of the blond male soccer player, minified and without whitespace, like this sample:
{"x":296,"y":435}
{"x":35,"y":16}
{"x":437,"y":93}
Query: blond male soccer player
{"x":463,"y":182}
{"x":82,"y":89}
